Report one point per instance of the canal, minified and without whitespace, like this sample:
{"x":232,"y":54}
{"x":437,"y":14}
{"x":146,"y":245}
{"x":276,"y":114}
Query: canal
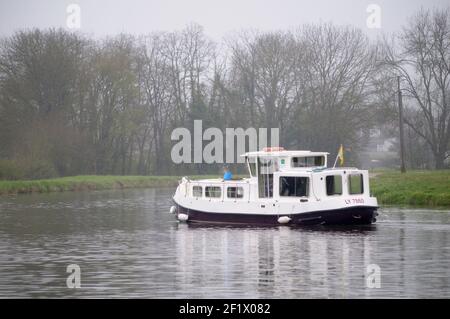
{"x":126,"y":244}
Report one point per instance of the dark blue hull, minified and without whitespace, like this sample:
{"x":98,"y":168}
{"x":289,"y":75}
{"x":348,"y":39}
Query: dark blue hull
{"x":357,"y":215}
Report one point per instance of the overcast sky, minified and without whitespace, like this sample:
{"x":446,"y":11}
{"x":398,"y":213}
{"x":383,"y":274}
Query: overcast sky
{"x":109,"y":17}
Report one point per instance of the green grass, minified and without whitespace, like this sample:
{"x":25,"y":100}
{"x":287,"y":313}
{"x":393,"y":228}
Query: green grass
{"x":414,"y":188}
{"x":88,"y":182}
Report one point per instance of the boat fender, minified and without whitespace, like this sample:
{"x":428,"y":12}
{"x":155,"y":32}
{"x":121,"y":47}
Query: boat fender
{"x":173,"y":210}
{"x":182,"y":217}
{"x":284,"y":219}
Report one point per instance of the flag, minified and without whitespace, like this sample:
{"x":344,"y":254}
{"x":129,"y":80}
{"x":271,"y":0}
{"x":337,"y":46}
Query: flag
{"x":341,"y":155}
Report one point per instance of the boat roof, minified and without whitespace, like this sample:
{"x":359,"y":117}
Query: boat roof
{"x":283,"y":153}
{"x":220,"y":180}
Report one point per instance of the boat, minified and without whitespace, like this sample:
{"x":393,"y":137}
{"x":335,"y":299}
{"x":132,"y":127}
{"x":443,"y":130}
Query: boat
{"x":283,"y":188}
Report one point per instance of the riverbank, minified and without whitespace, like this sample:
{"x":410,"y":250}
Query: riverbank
{"x":86,"y":182}
{"x":415,"y":188}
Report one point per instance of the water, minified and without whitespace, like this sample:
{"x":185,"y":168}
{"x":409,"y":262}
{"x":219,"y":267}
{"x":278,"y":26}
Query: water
{"x":128,"y":245}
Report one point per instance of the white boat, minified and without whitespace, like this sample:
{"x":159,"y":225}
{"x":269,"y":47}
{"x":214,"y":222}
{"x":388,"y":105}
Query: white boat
{"x":284,"y":187}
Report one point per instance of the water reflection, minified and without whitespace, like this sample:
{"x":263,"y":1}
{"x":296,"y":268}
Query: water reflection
{"x":128,"y":245}
{"x":277,"y":261}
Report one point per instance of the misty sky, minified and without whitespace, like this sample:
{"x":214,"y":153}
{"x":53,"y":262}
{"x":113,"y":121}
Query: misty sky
{"x":109,"y":17}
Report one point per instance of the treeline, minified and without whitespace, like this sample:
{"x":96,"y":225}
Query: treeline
{"x":73,"y":105}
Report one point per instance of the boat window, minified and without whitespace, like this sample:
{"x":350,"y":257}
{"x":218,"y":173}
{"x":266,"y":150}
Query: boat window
{"x":213,"y":191}
{"x":235,"y":192}
{"x":355,"y":184}
{"x":251,"y":162}
{"x":294,"y":186}
{"x":197,"y":191}
{"x":266,"y":168}
{"x":334,"y":185}
{"x":308,"y":161}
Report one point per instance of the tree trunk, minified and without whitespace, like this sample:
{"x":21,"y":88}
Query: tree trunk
{"x":439,"y":161}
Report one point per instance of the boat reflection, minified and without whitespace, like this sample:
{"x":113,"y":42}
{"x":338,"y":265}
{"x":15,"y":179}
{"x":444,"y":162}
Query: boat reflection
{"x":277,"y":260}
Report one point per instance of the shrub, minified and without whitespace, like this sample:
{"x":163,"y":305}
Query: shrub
{"x":40,"y":169}
{"x":9,"y":170}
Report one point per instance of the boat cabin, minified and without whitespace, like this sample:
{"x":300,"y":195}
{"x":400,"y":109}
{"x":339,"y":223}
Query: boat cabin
{"x":284,"y":176}
{"x":270,"y":162}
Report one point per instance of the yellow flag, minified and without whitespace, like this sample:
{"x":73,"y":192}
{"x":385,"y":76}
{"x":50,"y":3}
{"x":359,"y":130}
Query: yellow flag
{"x":341,"y":155}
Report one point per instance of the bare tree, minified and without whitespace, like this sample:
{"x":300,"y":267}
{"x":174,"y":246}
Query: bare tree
{"x":112,"y":104}
{"x":159,"y":97}
{"x":422,"y":59}
{"x":263,"y":67}
{"x":334,"y":86}
{"x":74,"y":105}
{"x":40,"y":76}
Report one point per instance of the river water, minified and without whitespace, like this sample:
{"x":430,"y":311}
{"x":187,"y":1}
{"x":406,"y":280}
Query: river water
{"x":126,"y":244}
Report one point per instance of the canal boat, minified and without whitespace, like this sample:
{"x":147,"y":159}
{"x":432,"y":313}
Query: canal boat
{"x":283,"y":188}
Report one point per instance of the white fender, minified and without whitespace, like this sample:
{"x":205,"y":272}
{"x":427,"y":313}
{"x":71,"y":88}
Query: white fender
{"x":182,"y":217}
{"x":173,"y":210}
{"x":284,"y":219}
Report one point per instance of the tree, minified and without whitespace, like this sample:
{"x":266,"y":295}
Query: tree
{"x":39,"y":92}
{"x":113,"y":104}
{"x":422,"y":59}
{"x":263,"y":67}
{"x":335,"y":85}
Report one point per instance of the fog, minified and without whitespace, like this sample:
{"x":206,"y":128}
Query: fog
{"x":110,"y":17}
{"x":83,"y":91}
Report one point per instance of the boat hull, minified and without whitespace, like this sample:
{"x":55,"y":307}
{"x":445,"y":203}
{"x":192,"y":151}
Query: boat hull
{"x":356,"y":215}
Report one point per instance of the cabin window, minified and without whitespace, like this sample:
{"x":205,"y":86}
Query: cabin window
{"x":251,"y":166}
{"x":235,"y":192}
{"x":334,"y":185}
{"x":294,"y":186}
{"x":355,"y":184}
{"x":197,"y":191}
{"x":308,"y":161}
{"x":266,"y":167}
{"x":213,"y":191}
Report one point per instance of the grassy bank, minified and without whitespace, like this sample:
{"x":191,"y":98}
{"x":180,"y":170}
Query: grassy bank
{"x":88,"y":182}
{"x":414,"y":188}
